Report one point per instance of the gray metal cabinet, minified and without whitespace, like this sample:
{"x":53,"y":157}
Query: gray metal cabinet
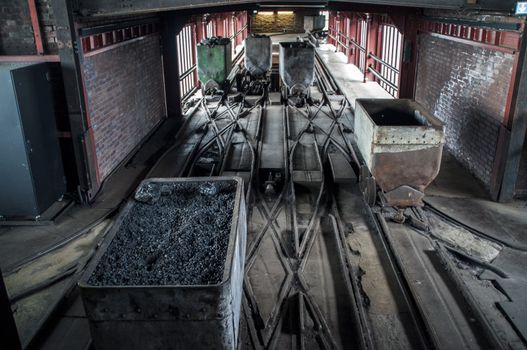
{"x":31,"y":171}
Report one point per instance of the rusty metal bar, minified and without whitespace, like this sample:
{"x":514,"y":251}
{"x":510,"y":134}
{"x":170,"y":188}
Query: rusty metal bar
{"x":30,"y":58}
{"x":36,"y":26}
{"x":366,"y":36}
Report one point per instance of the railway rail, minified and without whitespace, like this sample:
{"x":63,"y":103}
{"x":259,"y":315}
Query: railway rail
{"x":298,"y":254}
{"x":322,"y":266}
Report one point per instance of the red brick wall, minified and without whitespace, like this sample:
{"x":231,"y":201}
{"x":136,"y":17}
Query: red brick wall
{"x":125,"y":97}
{"x":466,"y":87}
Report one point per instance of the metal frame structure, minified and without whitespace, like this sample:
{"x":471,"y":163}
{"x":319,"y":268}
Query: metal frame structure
{"x":396,"y":76}
{"x":36,"y":26}
{"x":186,"y":42}
{"x":103,"y":8}
{"x":373,"y":43}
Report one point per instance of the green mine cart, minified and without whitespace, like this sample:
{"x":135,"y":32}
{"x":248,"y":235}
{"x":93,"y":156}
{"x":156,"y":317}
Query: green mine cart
{"x":214,"y":62}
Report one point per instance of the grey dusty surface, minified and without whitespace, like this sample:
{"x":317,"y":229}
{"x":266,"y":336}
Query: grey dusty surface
{"x":175,"y":234}
{"x":349,"y":77}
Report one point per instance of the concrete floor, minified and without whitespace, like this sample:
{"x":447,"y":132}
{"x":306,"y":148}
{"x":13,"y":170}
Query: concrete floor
{"x":349,"y":77}
{"x":454,"y":192}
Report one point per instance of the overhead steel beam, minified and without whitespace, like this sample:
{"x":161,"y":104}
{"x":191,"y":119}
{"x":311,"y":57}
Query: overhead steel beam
{"x":113,"y":7}
{"x":68,"y":44}
{"x":505,"y":5}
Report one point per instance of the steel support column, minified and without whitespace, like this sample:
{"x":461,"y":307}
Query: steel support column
{"x":372,"y":45}
{"x":518,"y":128}
{"x":171,"y":26}
{"x":409,"y":56}
{"x":353,"y":35}
{"x":366,"y":48}
{"x":68,"y":44}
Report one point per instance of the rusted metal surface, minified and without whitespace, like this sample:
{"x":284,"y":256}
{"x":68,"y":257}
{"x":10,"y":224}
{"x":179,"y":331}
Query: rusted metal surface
{"x":30,"y":58}
{"x":415,"y":169}
{"x":36,"y":26}
{"x":170,"y":316}
{"x":401,"y":145}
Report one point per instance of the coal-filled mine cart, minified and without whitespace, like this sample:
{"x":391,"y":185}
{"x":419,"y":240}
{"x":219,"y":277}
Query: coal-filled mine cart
{"x":214,"y":61}
{"x":401,"y":144}
{"x":169,"y":273}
